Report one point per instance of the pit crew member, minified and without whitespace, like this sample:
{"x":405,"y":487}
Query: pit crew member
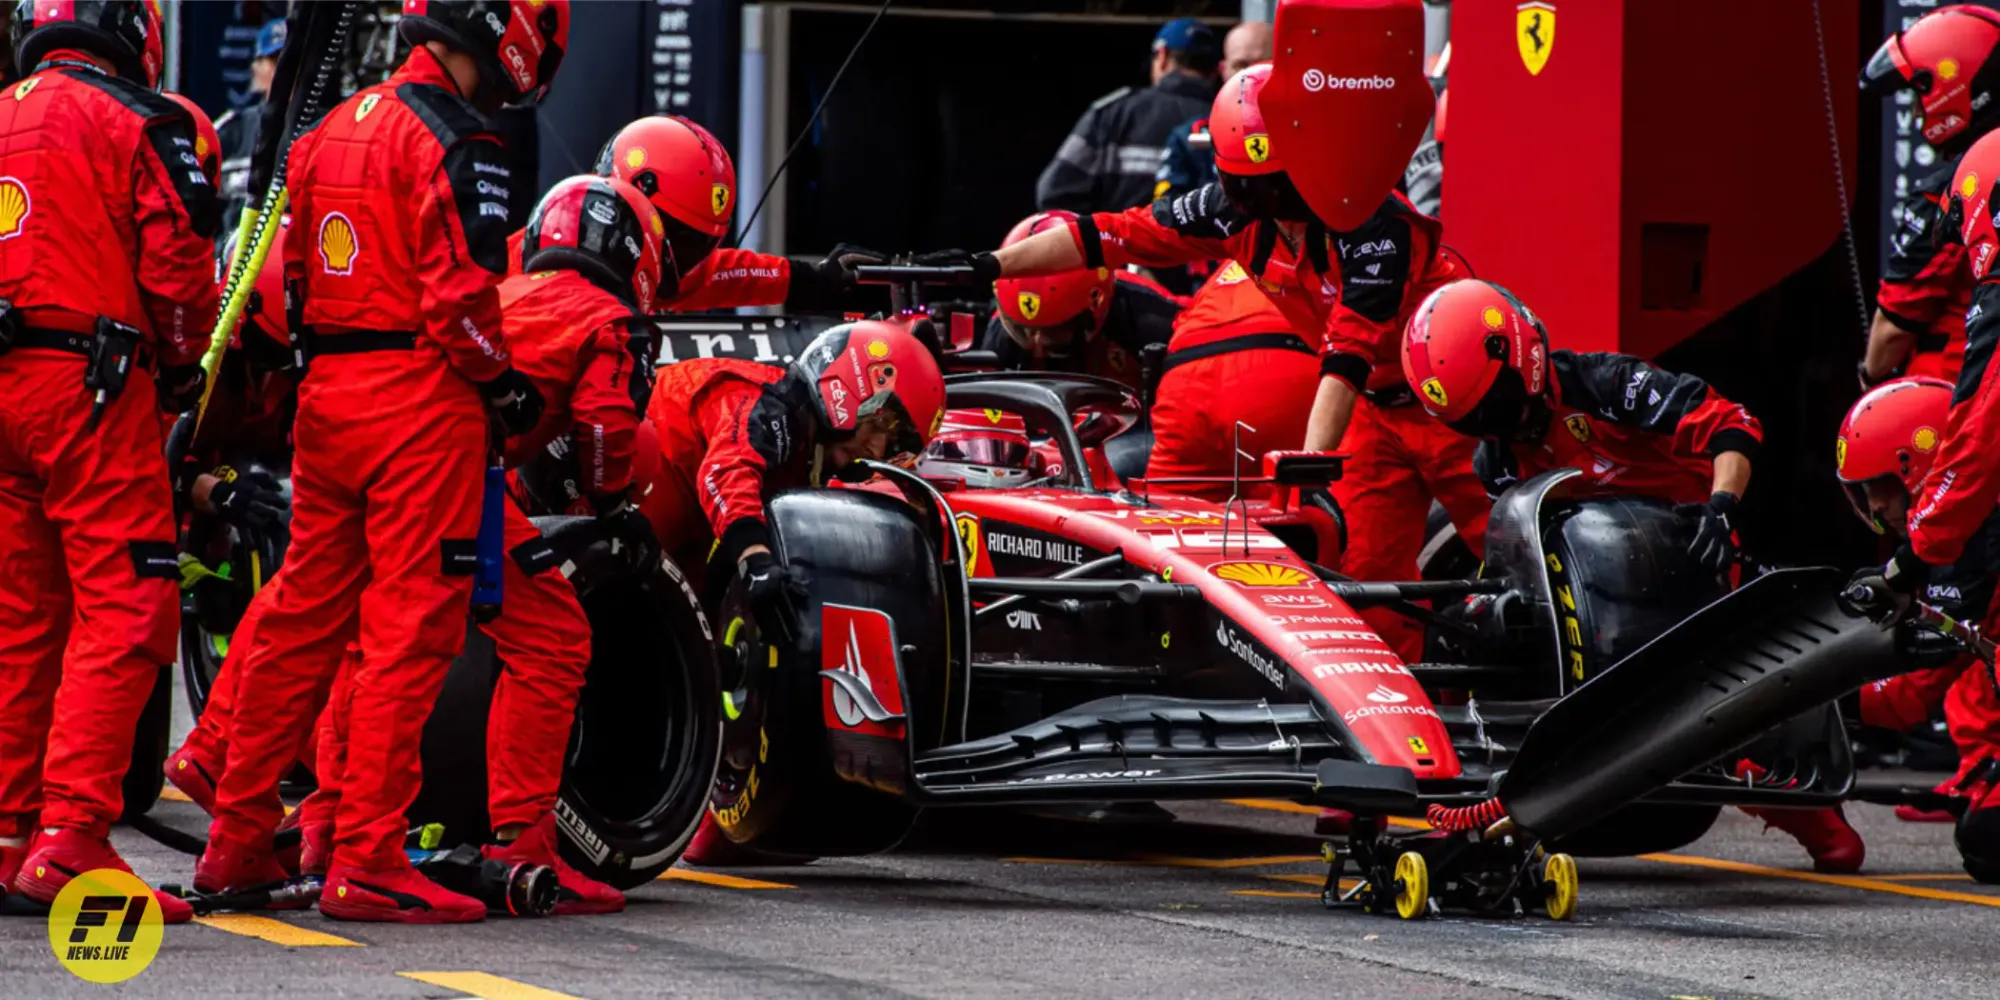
{"x":1094,"y":322}
{"x":99,"y":280}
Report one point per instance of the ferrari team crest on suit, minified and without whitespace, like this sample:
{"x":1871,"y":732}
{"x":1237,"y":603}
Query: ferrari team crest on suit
{"x":367,"y":105}
{"x":1535,"y":31}
{"x":1030,"y":304}
{"x":1579,"y":427}
{"x":15,"y":207}
{"x":337,"y":245}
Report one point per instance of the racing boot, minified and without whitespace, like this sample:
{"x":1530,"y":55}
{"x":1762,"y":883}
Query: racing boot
{"x":396,"y":894}
{"x":578,"y":893}
{"x":314,"y":821}
{"x":227,"y":867}
{"x":1835,"y":846}
{"x":194,"y":774}
{"x":1911,"y":814}
{"x":60,"y":854}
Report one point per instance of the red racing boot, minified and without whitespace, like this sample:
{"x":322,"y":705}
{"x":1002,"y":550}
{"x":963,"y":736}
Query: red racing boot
{"x":1834,"y":844}
{"x":579,"y":893}
{"x":56,"y":856}
{"x":194,"y":774}
{"x":227,"y":867}
{"x":397,"y":895}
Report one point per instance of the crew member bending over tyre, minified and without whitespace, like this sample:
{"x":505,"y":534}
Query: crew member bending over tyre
{"x":1886,"y":447}
{"x":734,"y":432}
{"x":396,"y":253}
{"x":1481,"y":362}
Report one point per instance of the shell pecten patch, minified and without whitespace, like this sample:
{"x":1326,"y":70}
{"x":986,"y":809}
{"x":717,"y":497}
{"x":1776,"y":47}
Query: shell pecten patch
{"x":1925,"y":439}
{"x":1969,"y":186}
{"x":338,"y":246}
{"x":105,"y":926}
{"x":635,"y":157}
{"x":1434,"y":391}
{"x":878,"y":349}
{"x":1260,"y":574}
{"x":1492,"y":318}
{"x":15,"y":207}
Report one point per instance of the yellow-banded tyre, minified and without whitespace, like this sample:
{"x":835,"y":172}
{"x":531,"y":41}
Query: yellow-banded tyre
{"x":1559,"y":886}
{"x":1413,"y":886}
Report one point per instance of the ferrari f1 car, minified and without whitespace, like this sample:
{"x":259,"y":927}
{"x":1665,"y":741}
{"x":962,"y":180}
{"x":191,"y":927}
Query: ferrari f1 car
{"x":1062,"y":636}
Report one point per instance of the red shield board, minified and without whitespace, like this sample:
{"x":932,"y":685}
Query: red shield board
{"x":1349,"y":98}
{"x":861,"y":644}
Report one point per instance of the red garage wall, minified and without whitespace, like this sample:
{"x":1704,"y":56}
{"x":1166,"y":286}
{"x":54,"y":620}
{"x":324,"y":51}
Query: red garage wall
{"x":1671,"y":160}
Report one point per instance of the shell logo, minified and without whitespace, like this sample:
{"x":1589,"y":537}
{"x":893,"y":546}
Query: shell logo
{"x":1031,"y":305}
{"x":1947,"y":69}
{"x":201,"y":147}
{"x":1434,"y":391}
{"x":1492,"y":318}
{"x":878,"y":349}
{"x":1924,"y":439}
{"x":635,"y":157}
{"x":718,"y":198}
{"x":1231,"y":274}
{"x":659,"y":228}
{"x":1969,"y":187}
{"x":15,"y":207}
{"x":337,"y":245}
{"x":1260,"y":574}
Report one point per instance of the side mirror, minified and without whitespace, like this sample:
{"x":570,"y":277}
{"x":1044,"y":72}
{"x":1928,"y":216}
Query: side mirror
{"x":1303,"y":468}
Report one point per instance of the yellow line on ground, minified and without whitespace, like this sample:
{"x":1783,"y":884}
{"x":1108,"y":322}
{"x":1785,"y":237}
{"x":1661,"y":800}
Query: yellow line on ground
{"x":1274,"y":894}
{"x":172,"y":794}
{"x":1848,"y":881}
{"x":275,"y":931}
{"x":1922,"y":877}
{"x":1309,"y":879}
{"x":1151,"y":861}
{"x":1280,"y":805}
{"x":719,"y":879}
{"x":486,"y":986}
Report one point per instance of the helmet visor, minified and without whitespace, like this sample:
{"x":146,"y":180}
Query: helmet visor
{"x":1884,"y":72}
{"x":1000,"y":453}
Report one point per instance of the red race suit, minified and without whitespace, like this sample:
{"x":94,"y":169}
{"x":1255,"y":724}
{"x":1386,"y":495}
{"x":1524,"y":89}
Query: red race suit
{"x":1927,"y":282}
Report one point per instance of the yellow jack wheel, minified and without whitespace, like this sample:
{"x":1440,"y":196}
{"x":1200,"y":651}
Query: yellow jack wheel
{"x":1559,"y":882}
{"x":1413,"y":886}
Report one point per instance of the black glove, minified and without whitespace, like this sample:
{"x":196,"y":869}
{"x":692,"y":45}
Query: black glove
{"x":1317,"y":496}
{"x":821,"y":284}
{"x":985,"y":266}
{"x":839,"y":263}
{"x":514,"y":398}
{"x":250,"y":500}
{"x":1887,"y":594}
{"x":1713,"y":549}
{"x":180,"y":387}
{"x":1867,"y":383}
{"x":631,"y":536}
{"x":774,"y":597}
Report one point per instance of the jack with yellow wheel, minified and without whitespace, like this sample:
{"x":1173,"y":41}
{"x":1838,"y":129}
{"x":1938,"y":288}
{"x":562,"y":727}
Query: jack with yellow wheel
{"x":1486,"y":873}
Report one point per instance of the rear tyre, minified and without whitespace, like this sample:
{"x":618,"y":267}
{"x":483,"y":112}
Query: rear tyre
{"x":787,"y":785}
{"x":642,"y":749}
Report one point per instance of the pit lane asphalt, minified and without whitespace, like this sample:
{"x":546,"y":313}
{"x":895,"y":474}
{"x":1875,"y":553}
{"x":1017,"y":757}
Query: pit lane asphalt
{"x":1222,"y":903}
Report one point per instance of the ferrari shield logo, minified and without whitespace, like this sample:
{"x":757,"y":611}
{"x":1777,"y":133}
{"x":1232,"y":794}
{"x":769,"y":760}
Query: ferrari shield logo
{"x":1257,"y":147}
{"x":1535,"y":31}
{"x":1579,"y":427}
{"x":968,"y":539}
{"x":1030,"y":304}
{"x":1434,"y":391}
{"x":718,"y":198}
{"x":1839,"y":455}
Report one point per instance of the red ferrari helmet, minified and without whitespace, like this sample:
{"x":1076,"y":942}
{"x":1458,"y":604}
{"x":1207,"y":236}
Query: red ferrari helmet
{"x":983,"y":450}
{"x":1947,"y":58}
{"x":264,"y":306}
{"x":1475,"y":354}
{"x":687,"y":175}
{"x":1894,"y":430}
{"x":518,"y":43}
{"x":125,"y":32}
{"x":1064,"y":309}
{"x":207,"y":144}
{"x":857,"y":370}
{"x":1236,"y":126}
{"x":1969,"y":204}
{"x":604,"y":229}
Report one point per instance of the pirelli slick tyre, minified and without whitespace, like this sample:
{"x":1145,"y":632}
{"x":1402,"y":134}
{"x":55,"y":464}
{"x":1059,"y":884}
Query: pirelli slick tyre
{"x":791,"y":783}
{"x":642,"y":751}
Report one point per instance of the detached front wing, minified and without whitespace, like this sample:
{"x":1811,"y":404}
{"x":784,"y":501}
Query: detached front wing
{"x":1148,"y":748}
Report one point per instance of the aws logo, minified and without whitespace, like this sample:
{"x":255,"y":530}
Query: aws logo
{"x":337,"y":245}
